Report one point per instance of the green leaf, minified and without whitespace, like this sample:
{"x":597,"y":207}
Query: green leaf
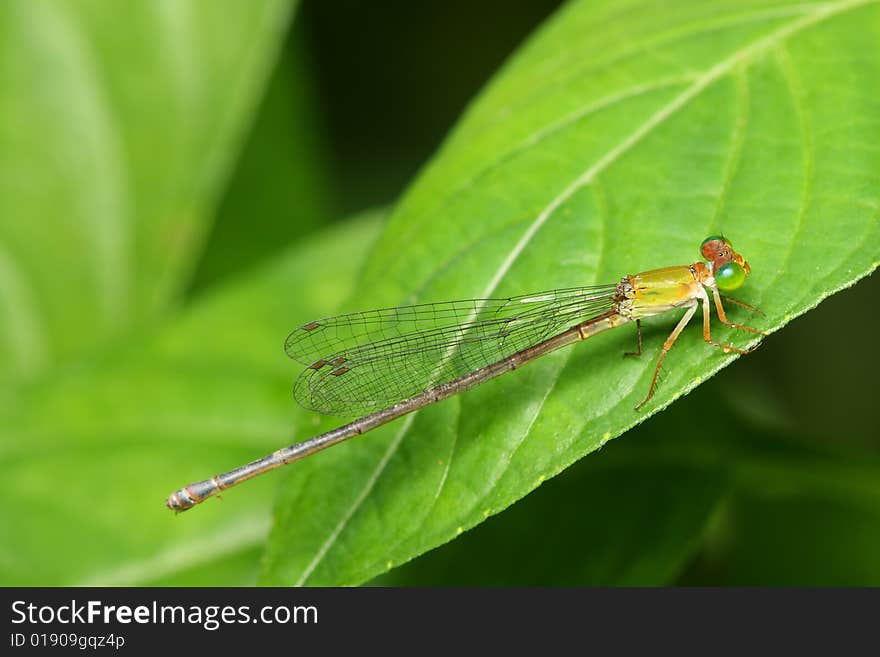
{"x":617,"y":139}
{"x":90,"y":453}
{"x":735,"y":505}
{"x":118,"y":125}
{"x":615,"y":519}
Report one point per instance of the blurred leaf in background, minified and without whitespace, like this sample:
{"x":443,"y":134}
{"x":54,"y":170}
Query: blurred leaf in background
{"x":119,"y":126}
{"x":613,"y":140}
{"x":117,"y":134}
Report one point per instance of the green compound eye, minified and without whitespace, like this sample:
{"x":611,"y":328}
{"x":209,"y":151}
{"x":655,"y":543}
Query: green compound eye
{"x":730,"y":276}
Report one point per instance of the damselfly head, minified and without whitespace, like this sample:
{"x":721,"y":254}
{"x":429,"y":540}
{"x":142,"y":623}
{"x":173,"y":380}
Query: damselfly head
{"x":717,"y":250}
{"x":729,"y":267}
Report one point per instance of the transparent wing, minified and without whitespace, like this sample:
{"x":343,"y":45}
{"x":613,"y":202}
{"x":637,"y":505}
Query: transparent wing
{"x":361,"y":362}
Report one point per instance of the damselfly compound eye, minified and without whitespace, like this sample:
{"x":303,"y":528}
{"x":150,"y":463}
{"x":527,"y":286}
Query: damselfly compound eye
{"x":730,"y":276}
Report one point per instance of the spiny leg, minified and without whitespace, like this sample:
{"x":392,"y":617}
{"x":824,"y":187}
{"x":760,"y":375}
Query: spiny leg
{"x":723,"y":316}
{"x":707,"y":335}
{"x":638,"y":352}
{"x":692,"y":308}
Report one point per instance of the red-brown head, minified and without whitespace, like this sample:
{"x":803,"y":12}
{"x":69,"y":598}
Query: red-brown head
{"x":728,"y":266}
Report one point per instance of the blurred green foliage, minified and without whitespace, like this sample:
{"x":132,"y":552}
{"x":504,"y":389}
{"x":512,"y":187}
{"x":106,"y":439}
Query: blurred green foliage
{"x":181,"y":188}
{"x":280,"y":189}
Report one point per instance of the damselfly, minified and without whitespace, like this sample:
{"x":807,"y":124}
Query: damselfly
{"x":382,"y":364}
